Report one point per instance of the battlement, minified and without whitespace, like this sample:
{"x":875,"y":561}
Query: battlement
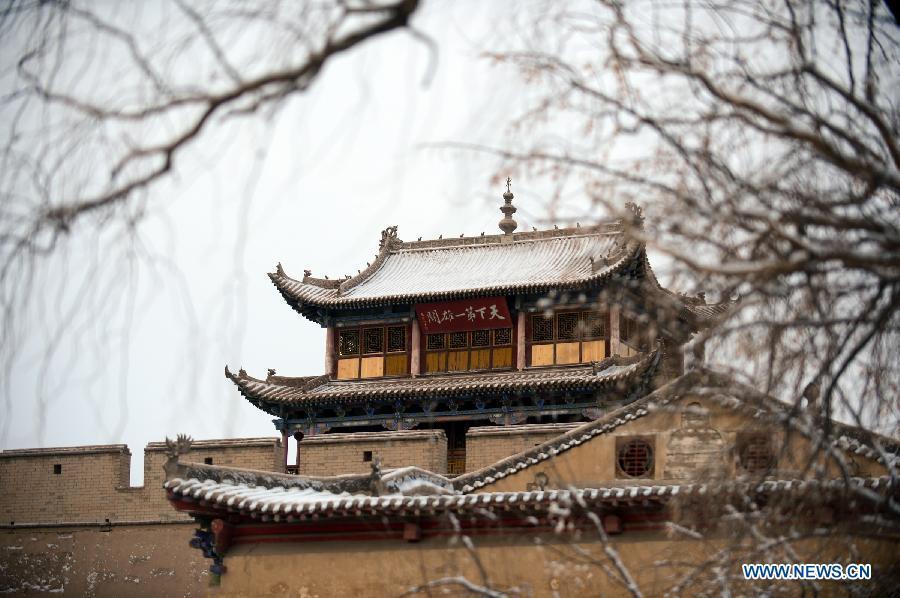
{"x":67,"y":450}
{"x":90,"y":484}
{"x":221,"y":443}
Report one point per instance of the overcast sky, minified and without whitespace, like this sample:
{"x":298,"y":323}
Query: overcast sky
{"x":312,"y":187}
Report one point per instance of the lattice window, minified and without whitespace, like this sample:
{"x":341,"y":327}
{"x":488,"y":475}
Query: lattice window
{"x":567,"y":326}
{"x":594,"y":325}
{"x":627,"y":328}
{"x":348,"y":343}
{"x":634,"y":458}
{"x":756,"y":453}
{"x":396,"y":339}
{"x":481,"y":338}
{"x":574,"y":337}
{"x":435,"y":341}
{"x":459,"y":340}
{"x":541,"y":329}
{"x":468,"y":351}
{"x":371,"y":352}
{"x":373,"y":340}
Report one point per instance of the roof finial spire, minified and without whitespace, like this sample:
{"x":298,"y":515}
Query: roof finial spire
{"x":508,"y":225}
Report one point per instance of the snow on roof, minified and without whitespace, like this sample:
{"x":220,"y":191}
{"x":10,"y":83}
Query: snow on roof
{"x":711,"y":384}
{"x":451,"y":268}
{"x":596,"y":375}
{"x":288,"y":503}
{"x":392,"y":481}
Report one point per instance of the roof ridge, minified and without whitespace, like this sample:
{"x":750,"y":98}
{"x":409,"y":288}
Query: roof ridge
{"x":693,"y":380}
{"x":307,"y":294}
{"x":600,"y":228}
{"x":391,"y":244}
{"x":389,"y":240}
{"x":550,"y":448}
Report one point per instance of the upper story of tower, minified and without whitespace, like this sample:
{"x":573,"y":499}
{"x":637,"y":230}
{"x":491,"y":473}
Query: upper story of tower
{"x":509,"y":301}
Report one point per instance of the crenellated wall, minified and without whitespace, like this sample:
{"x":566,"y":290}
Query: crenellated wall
{"x":336,"y":454}
{"x":485,"y":445}
{"x":86,"y":532}
{"x":90,"y":484}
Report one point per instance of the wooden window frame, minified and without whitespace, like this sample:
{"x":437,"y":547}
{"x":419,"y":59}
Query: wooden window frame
{"x":491,"y":347}
{"x":384,"y":354}
{"x":624,"y":441}
{"x":580,"y":337}
{"x":633,"y":340}
{"x":744,"y":441}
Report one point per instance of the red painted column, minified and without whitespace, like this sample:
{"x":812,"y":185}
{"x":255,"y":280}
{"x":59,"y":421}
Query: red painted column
{"x":284,"y":444}
{"x":329,"y":350}
{"x":416,"y":348}
{"x":520,"y":340}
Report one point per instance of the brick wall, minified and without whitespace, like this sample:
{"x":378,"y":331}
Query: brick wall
{"x":264,"y":454}
{"x":93,"y":481}
{"x":485,"y":445}
{"x":30,"y":491}
{"x":336,"y":454}
{"x":92,"y":485}
{"x":92,"y":560}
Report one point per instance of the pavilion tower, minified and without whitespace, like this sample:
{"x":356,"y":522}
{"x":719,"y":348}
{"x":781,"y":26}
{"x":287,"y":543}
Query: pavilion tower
{"x":556,"y":325}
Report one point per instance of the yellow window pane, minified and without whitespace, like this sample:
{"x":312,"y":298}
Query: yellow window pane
{"x":435,"y":362}
{"x":395,"y":365}
{"x":567,"y":352}
{"x":541,"y":354}
{"x":503,"y":357}
{"x":593,"y":350}
{"x":372,"y":367}
{"x":348,"y":368}
{"x":457,"y":361}
{"x":481,"y":359}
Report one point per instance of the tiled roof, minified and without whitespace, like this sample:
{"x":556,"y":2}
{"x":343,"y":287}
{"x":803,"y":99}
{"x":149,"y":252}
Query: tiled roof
{"x":703,"y":314}
{"x":280,"y":503}
{"x":709,"y":311}
{"x":714,"y":386}
{"x":322,"y":390}
{"x":395,"y":481}
{"x":471,"y":481}
{"x":454,"y":268}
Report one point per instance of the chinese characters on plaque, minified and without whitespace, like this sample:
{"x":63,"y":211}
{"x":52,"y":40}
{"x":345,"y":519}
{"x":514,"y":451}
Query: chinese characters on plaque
{"x":465,"y":314}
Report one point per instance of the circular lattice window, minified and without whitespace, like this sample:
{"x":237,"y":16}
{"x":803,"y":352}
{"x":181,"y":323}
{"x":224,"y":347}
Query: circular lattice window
{"x":635,"y":458}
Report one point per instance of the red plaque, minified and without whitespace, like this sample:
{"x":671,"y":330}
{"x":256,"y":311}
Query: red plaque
{"x":465,"y":314}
